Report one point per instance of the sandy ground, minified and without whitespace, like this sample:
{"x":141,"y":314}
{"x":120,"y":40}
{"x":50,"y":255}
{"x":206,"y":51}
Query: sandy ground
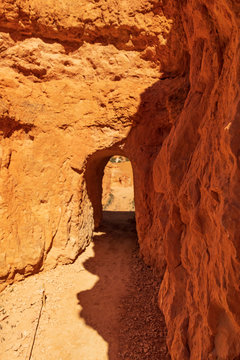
{"x":104,"y":306}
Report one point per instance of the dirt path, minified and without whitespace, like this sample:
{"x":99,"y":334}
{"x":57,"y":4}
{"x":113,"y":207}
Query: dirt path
{"x":101,"y":307}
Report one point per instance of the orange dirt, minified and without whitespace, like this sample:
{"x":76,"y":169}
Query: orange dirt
{"x":104,"y":306}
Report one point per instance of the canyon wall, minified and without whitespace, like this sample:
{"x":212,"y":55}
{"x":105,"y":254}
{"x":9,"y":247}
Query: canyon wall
{"x":196,"y":174}
{"x":155,"y":81}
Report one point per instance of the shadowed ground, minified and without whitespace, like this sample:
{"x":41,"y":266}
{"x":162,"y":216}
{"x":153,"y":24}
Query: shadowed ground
{"x":122,"y":306}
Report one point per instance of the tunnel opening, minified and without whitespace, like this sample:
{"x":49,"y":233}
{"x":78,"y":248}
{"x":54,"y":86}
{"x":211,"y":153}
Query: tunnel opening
{"x":118,"y":206}
{"x":117,"y":185}
{"x":110,"y":187}
{"x":124,"y":284}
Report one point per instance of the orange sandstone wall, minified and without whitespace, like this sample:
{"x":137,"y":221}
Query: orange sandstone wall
{"x":71,"y":79}
{"x":196,"y":175}
{"x":158,"y":82}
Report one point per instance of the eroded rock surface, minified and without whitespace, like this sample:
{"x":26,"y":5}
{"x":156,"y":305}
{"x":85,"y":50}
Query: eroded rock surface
{"x":157,"y":82}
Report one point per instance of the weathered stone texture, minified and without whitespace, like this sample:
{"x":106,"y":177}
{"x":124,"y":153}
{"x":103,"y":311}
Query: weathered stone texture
{"x":157,"y":82}
{"x":197,"y":174}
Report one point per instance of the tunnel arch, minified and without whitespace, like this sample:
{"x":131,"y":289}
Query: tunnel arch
{"x":117,"y":186}
{"x":94,"y":175}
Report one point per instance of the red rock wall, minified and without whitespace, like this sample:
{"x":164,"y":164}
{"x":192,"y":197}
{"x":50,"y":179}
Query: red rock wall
{"x":196,"y":174}
{"x":157,"y":82}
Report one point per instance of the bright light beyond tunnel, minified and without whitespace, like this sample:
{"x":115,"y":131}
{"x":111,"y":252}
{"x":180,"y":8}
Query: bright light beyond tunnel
{"x":117,"y":185}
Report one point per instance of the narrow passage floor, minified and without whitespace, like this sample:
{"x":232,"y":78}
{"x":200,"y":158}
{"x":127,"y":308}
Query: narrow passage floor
{"x":102,"y":307}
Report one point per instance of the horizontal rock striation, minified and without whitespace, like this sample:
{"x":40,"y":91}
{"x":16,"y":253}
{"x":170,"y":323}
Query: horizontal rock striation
{"x":157,"y":82}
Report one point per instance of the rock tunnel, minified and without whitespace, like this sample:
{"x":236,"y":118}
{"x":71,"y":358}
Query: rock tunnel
{"x":94,"y":180}
{"x":157,"y":82}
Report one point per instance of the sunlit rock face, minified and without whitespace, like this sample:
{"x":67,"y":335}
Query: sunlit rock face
{"x":157,"y":82}
{"x":73,"y":79}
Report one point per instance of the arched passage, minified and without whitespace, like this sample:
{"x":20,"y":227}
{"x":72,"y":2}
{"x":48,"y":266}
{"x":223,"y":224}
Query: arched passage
{"x":118,"y":205}
{"x":117,"y":184}
{"x":94,"y":182}
{"x":124,"y":285}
